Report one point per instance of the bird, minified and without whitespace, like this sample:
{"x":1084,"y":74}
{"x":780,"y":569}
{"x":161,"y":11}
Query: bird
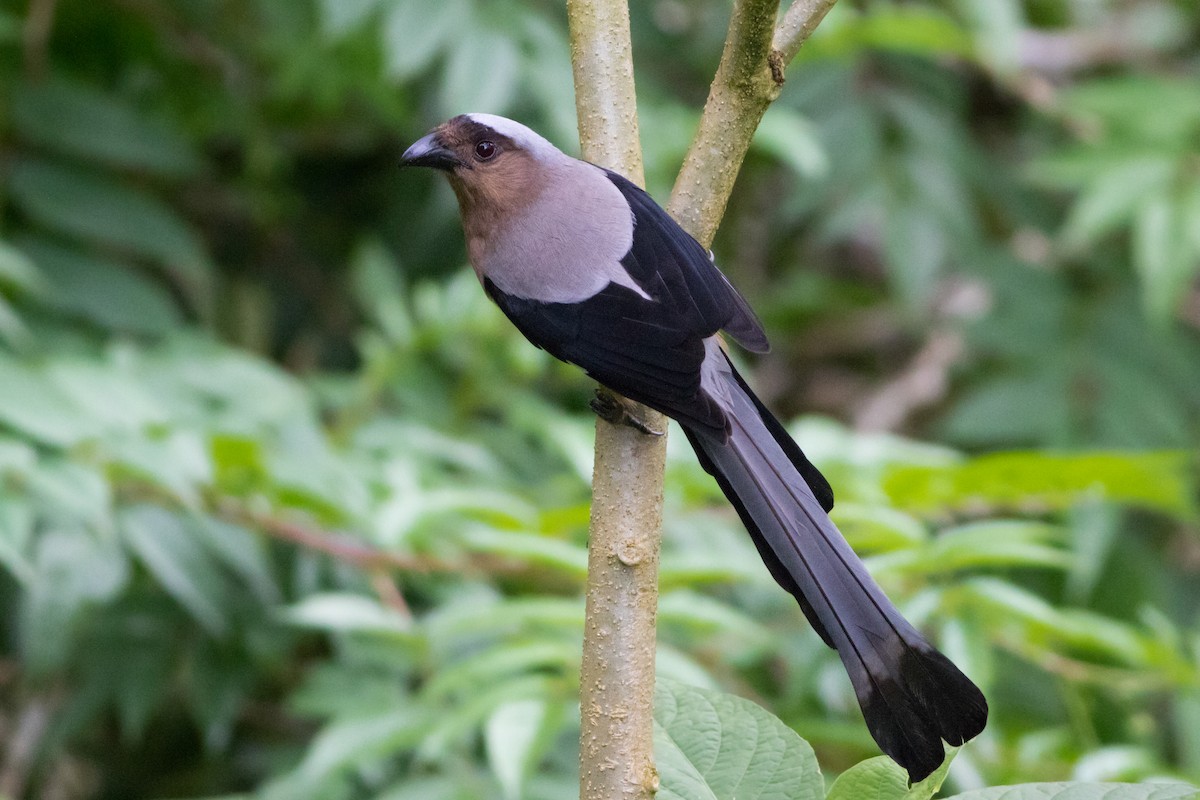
{"x":592,"y":270}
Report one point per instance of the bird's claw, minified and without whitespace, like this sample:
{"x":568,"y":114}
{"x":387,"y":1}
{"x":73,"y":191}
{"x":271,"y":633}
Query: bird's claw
{"x":612,"y":409}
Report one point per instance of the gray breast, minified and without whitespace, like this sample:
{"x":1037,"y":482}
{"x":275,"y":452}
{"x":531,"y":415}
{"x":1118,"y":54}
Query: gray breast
{"x":569,"y":242}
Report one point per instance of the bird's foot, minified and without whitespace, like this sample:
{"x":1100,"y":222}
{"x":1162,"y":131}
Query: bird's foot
{"x":613,"y":409}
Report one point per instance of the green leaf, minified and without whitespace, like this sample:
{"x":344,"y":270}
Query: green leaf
{"x":876,"y":779}
{"x":32,"y":404}
{"x":405,"y":54}
{"x":880,"y":778}
{"x":17,"y":272}
{"x":511,"y":737}
{"x":508,"y":659}
{"x":342,"y":745}
{"x":702,"y":614}
{"x":100,"y":290}
{"x":993,"y":543}
{"x":905,"y":29}
{"x":72,"y":493}
{"x":375,"y":277}
{"x":1161,"y":254}
{"x":1149,"y":110}
{"x":237,"y":462}
{"x":997,"y":29}
{"x":99,"y":208}
{"x":16,"y":530}
{"x":344,"y":613}
{"x":877,"y":528}
{"x":1084,"y":791}
{"x":481,"y":72}
{"x":177,"y":463}
{"x":242,"y":551}
{"x":108,"y":394}
{"x":1048,"y":480}
{"x":543,"y":551}
{"x":74,"y":569}
{"x":1114,"y":197}
{"x":464,"y":719}
{"x":915,"y":245}
{"x":793,"y":139}
{"x":176,"y":560}
{"x":714,"y":746}
{"x":341,"y":17}
{"x":13,"y":331}
{"x":82,"y":121}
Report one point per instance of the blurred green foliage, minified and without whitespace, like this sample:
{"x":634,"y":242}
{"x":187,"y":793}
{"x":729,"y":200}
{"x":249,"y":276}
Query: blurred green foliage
{"x":288,"y":510}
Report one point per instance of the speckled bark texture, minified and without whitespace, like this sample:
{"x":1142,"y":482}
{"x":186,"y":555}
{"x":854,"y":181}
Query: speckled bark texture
{"x":617,"y":677}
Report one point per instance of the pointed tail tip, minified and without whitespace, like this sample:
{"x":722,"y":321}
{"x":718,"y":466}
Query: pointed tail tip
{"x":927,"y":701}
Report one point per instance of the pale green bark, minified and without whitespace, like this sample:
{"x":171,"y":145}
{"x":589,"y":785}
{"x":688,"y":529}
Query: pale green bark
{"x":617,"y":675}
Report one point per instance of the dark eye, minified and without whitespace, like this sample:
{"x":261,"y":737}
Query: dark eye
{"x":485,"y":150}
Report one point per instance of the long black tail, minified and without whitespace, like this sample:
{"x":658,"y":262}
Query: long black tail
{"x":911,"y":695}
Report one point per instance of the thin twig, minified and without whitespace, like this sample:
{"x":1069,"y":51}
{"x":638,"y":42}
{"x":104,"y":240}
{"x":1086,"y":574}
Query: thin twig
{"x":345,"y":548}
{"x":923,"y":382}
{"x":750,"y":76}
{"x":22,"y":744}
{"x":39,"y":21}
{"x":798,"y":23}
{"x":745,"y":84}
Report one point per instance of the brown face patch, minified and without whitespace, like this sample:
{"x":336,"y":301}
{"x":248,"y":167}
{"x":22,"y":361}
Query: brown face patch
{"x":491,"y":190}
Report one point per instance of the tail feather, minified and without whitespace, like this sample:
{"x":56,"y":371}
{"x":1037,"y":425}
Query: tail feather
{"x":912,"y":696}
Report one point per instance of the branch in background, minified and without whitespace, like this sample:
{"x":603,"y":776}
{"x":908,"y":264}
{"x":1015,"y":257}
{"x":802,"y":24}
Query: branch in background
{"x":925,"y":380}
{"x":616,"y":753}
{"x":349,"y":550}
{"x":39,"y":21}
{"x":23,"y":741}
{"x":1191,"y":308}
{"x":1070,"y":50}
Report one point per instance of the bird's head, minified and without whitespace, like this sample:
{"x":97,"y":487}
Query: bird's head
{"x":488,"y":159}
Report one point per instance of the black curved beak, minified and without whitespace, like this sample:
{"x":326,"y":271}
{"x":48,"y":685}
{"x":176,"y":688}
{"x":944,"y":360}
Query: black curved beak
{"x":429,"y":152}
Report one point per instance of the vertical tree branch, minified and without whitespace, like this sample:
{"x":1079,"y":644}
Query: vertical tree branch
{"x":617,"y":676}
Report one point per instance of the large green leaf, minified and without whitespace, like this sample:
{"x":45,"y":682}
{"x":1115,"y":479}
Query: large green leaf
{"x":73,"y":570}
{"x":104,"y":209}
{"x":1114,"y":197}
{"x":17,"y":272}
{"x":81,"y":121}
{"x":714,"y":746}
{"x":32,"y":404}
{"x":407,"y":55}
{"x":880,"y":778}
{"x":1156,"y":480}
{"x":101,"y":290}
{"x":1084,"y":791}
{"x":515,"y":736}
{"x":481,"y":72}
{"x":183,"y":568}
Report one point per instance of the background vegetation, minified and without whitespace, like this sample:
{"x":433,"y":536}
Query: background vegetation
{"x":287,"y":510}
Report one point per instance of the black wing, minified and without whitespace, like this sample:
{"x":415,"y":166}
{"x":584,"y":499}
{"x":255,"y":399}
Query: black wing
{"x":675,"y":269}
{"x":627,"y":343}
{"x":647,"y":349}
